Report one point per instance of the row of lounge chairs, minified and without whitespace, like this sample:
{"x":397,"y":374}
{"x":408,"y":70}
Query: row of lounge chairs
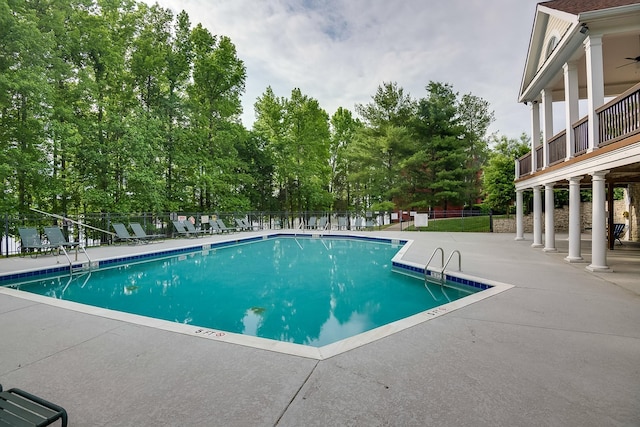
{"x":139,"y":235}
{"x":30,"y":241}
{"x":215,"y":226}
{"x":317,"y":224}
{"x":244,"y":225}
{"x":322,"y":223}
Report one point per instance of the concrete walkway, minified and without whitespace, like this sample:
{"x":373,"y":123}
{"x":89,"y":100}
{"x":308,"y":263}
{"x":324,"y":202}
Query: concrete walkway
{"x":561,"y":348}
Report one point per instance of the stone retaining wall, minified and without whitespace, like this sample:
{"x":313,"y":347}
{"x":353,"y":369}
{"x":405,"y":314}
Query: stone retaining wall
{"x":561,"y":218}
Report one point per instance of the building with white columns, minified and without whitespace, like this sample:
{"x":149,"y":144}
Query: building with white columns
{"x":581,"y":82}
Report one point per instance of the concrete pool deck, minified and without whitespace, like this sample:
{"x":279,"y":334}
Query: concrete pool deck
{"x":560,"y":348}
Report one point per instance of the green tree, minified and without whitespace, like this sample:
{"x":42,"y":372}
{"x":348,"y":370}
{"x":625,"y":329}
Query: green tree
{"x":258,"y":165}
{"x":296,"y":134}
{"x":271,"y":128}
{"x":146,"y":126}
{"x":24,"y":92}
{"x":218,"y":81}
{"x":380,"y":147}
{"x":175,"y":142}
{"x":103,"y":156}
{"x":114,"y":105}
{"x":343,"y":130}
{"x":499,"y":173}
{"x":475,"y":117}
{"x":308,"y":140}
{"x":439,"y":166}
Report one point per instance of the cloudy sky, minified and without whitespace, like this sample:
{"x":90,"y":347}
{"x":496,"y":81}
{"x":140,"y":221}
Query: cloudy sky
{"x":340,"y":51}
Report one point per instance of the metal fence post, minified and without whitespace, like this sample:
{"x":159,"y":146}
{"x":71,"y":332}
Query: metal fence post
{"x":6,"y":234}
{"x":490,"y":220}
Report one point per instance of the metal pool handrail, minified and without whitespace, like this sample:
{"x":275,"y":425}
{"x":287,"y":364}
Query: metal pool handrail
{"x":69,"y":259}
{"x":431,"y":258}
{"x":455,"y":251}
{"x":440,"y":273}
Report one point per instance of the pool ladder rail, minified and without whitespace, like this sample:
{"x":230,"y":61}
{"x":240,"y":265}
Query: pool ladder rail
{"x":82,"y":266}
{"x":437,"y":276}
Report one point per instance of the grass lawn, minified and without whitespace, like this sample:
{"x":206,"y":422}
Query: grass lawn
{"x":468,"y":224}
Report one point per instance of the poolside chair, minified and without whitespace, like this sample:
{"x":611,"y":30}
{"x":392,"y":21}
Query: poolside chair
{"x":312,"y":222}
{"x":123,"y":234}
{"x":180,"y":227}
{"x":358,"y":223}
{"x":142,"y":235}
{"x":618,"y":231}
{"x":322,"y":223}
{"x":246,"y":225}
{"x":19,"y":408}
{"x":251,"y":226}
{"x":224,"y":227}
{"x":30,"y":242}
{"x":56,"y":238}
{"x":241,"y":225}
{"x":342,"y":223}
{"x":214,"y":227}
{"x":191,"y":229}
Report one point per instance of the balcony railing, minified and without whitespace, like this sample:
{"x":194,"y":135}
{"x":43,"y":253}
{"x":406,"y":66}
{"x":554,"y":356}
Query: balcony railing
{"x":617,"y":120}
{"x":525,"y":164}
{"x":620,"y":118}
{"x":581,"y":136}
{"x":557,"y":148}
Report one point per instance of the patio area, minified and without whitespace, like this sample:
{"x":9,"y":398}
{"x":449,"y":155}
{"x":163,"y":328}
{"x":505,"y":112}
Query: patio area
{"x":562,"y":347}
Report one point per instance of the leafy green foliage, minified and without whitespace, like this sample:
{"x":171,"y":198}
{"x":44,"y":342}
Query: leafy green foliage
{"x":344,"y":128}
{"x":116,"y":105}
{"x":296,"y":132}
{"x":499,"y":173}
{"x":449,"y":149}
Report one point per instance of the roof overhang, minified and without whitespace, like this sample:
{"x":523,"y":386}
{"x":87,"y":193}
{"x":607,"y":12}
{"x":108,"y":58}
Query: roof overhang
{"x":570,"y":48}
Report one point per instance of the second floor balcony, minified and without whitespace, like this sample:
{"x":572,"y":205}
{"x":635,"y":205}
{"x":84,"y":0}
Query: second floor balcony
{"x":617,"y":120}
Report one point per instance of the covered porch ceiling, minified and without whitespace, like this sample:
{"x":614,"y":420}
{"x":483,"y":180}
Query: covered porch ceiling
{"x":619,"y":73}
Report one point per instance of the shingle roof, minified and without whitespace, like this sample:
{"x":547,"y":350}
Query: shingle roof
{"x":576,"y":7}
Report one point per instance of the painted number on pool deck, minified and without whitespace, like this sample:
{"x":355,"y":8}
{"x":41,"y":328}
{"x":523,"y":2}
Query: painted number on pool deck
{"x":210,"y":333}
{"x":436,"y":311}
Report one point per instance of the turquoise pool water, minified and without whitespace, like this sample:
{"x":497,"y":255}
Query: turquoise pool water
{"x":307,"y":291}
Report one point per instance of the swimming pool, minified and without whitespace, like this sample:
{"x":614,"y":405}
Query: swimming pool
{"x":318,"y":291}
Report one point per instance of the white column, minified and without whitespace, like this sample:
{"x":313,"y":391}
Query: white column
{"x":549,"y":226}
{"x":627,"y":208}
{"x":519,"y":216}
{"x":537,"y":218}
{"x":595,"y":86}
{"x":571,"y":110}
{"x":575,"y":251}
{"x":535,"y":133}
{"x":598,"y":224}
{"x":547,"y":124}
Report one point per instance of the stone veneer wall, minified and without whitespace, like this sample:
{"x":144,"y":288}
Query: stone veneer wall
{"x":561,"y":217}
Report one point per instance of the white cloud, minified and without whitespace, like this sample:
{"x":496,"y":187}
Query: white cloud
{"x":340,"y":51}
